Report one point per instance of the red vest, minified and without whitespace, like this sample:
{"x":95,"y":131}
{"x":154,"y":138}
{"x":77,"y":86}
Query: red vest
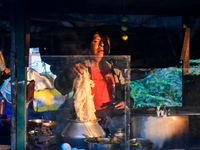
{"x":104,"y":86}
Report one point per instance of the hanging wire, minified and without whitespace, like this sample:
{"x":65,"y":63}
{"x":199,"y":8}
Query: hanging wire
{"x":124,"y":4}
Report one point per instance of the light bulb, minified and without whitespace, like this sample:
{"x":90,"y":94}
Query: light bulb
{"x":124,"y":19}
{"x":124,"y":37}
{"x":124,"y":28}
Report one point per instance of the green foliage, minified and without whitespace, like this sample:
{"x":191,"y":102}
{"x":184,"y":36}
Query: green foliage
{"x":161,"y":87}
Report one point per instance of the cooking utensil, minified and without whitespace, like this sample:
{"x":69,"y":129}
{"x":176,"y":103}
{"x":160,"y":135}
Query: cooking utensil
{"x":119,"y":133}
{"x":3,"y":103}
{"x":40,"y":139}
{"x":38,"y":122}
{"x":100,"y":146}
{"x":140,"y":143}
{"x":91,"y":139}
{"x":77,"y":131}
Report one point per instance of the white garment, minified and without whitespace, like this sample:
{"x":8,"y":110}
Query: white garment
{"x":83,"y":98}
{"x":42,"y":81}
{"x":6,"y":90}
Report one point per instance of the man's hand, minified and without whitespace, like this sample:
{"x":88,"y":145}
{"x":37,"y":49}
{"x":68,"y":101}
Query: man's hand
{"x":7,"y":71}
{"x":119,"y":105}
{"x":78,"y":69}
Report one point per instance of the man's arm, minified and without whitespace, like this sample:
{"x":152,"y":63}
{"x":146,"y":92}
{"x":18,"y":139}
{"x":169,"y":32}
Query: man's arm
{"x":64,"y":82}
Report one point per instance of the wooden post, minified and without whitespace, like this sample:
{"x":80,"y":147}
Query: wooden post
{"x":21,"y":72}
{"x":185,"y":55}
{"x":13,"y":83}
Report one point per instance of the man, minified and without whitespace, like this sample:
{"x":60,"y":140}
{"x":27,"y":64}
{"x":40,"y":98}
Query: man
{"x":109,"y":80}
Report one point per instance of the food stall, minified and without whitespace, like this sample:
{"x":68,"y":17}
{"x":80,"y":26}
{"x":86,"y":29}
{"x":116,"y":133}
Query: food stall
{"x":45,"y":124}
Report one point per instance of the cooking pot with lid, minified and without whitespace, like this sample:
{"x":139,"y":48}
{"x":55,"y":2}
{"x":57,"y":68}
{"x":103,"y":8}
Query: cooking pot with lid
{"x":75,"y":130}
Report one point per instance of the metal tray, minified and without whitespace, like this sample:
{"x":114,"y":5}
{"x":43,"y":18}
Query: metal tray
{"x":38,"y":122}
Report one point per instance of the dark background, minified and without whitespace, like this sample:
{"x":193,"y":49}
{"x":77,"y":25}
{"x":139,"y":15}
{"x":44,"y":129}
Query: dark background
{"x":155,"y":27}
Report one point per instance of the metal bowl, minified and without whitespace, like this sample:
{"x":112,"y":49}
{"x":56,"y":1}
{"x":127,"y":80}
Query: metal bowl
{"x":38,"y":122}
{"x":139,"y":143}
{"x":99,"y":146}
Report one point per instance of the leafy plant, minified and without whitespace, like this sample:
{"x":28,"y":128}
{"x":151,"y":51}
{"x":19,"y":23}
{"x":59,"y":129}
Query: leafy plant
{"x":161,"y":87}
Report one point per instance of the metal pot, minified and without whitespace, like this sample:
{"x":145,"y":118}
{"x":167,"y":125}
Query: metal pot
{"x":140,"y":143}
{"x":99,"y":146}
{"x":46,"y":140}
{"x":75,"y":130}
{"x":119,"y":133}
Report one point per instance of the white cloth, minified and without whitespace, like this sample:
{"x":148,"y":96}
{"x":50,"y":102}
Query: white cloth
{"x":83,"y":98}
{"x":42,"y":81}
{"x":6,"y":90}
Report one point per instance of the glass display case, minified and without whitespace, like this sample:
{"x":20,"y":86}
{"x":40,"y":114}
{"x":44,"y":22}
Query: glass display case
{"x":53,"y":119}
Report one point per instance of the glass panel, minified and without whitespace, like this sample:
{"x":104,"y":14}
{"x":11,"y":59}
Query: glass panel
{"x":58,"y":120}
{"x":155,"y":124}
{"x":157,"y":87}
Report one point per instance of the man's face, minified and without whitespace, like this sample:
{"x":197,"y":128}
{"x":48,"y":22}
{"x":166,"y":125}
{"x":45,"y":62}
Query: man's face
{"x":100,"y":46}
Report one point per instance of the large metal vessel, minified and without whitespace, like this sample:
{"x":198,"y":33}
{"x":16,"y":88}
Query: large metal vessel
{"x":75,"y":130}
